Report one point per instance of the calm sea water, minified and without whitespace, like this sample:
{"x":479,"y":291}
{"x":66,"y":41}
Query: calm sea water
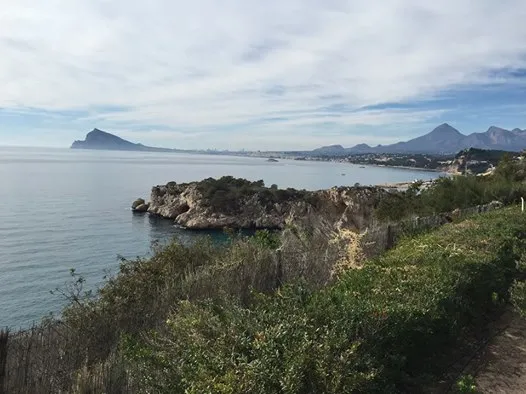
{"x":65,"y":209}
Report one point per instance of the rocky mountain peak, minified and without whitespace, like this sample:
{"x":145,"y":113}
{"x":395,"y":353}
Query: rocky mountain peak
{"x":495,"y":129}
{"x":445,"y":128}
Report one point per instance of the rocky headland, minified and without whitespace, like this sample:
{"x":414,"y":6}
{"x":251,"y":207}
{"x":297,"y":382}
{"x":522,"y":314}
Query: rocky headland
{"x":101,"y":140}
{"x":240,"y":204}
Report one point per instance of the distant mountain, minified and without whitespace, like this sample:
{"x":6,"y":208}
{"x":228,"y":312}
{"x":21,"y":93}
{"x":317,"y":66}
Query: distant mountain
{"x":101,"y":140}
{"x":330,"y":150}
{"x":444,"y":139}
{"x":363,"y":148}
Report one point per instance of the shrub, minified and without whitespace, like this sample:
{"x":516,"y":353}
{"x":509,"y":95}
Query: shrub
{"x":227,"y":194}
{"x":466,"y":384}
{"x":518,"y":296}
{"x":266,"y":238}
{"x":382,"y":328}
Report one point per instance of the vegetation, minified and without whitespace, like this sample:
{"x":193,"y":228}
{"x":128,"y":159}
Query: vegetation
{"x":476,"y":161}
{"x":227,"y":193}
{"x":466,"y":384}
{"x":416,"y":160}
{"x":518,"y":290}
{"x":446,"y":194}
{"x":491,"y":156}
{"x":382,"y":328}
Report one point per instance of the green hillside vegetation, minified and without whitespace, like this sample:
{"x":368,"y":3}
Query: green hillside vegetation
{"x":227,"y":193}
{"x":383,"y":328}
{"x":446,"y":194}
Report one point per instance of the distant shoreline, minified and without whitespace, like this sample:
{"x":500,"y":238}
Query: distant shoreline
{"x":401,"y":167}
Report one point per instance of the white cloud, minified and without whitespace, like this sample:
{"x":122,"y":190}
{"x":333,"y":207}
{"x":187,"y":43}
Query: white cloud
{"x":204,"y":66}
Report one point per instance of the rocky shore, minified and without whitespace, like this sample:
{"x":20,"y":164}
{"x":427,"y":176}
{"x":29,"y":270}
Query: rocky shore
{"x":239,"y":204}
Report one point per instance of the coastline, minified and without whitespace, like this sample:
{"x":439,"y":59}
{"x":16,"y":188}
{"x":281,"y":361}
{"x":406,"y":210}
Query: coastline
{"x":401,"y":167}
{"x":334,"y":160}
{"x":268,"y":155}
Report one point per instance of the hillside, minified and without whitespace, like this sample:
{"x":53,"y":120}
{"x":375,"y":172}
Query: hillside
{"x":101,"y":140}
{"x":476,"y":161}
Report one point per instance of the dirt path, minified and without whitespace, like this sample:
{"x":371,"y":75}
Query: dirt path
{"x":501,"y":366}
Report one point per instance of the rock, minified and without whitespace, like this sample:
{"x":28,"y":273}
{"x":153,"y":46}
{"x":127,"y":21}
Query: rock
{"x":456,"y":213}
{"x":138,"y":203}
{"x":238,"y":204}
{"x":142,"y":208}
{"x":495,"y":205}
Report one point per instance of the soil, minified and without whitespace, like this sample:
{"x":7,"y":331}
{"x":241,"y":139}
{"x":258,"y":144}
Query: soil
{"x":500,"y":367}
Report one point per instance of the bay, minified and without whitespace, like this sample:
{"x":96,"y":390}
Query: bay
{"x":63,"y":209}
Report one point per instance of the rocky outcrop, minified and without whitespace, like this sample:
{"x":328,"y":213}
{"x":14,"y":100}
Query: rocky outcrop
{"x":140,"y":205}
{"x":142,"y":208}
{"x":138,"y":202}
{"x":240,"y":204}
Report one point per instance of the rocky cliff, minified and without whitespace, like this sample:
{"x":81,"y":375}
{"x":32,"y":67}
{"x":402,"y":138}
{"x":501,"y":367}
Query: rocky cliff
{"x":237,"y":203}
{"x":476,"y":161}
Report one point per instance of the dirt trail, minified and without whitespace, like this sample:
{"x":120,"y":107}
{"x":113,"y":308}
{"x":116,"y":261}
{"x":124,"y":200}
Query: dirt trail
{"x":501,"y":366}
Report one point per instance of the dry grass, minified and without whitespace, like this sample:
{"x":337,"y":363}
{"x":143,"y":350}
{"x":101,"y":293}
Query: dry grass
{"x":351,"y":247}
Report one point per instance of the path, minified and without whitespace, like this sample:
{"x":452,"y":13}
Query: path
{"x":501,"y":366}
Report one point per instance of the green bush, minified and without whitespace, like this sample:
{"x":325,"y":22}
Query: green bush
{"x":267,"y":239}
{"x":518,"y":296}
{"x":382,"y":328}
{"x":466,"y":384}
{"x":227,"y":193}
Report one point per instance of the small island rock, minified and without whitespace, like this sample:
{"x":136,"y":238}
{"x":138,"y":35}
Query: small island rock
{"x":137,"y":203}
{"x":142,"y":208}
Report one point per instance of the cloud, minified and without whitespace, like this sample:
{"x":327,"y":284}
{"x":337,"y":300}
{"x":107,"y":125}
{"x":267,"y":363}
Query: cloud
{"x":250,"y":69}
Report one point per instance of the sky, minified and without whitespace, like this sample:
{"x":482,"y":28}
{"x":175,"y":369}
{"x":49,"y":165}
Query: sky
{"x":252,"y":74}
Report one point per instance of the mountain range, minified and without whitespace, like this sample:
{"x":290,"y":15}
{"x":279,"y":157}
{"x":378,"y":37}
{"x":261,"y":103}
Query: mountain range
{"x":444,"y":139}
{"x":101,"y":140}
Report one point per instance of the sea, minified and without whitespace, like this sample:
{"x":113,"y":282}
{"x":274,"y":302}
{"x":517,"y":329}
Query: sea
{"x":65,"y":209}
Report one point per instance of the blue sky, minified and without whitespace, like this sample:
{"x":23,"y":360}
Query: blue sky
{"x":235,"y":74}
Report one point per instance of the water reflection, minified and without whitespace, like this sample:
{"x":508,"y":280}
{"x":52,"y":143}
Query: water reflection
{"x":162,"y":230}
